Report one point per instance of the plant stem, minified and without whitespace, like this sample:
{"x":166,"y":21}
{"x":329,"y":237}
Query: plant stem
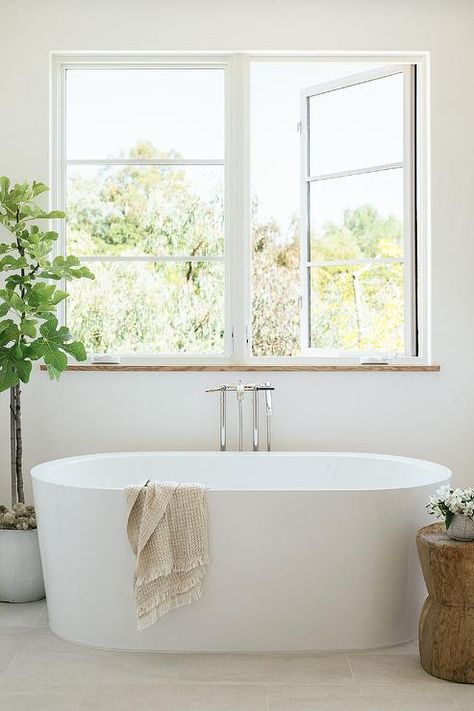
{"x":13,"y":447}
{"x":19,"y":446}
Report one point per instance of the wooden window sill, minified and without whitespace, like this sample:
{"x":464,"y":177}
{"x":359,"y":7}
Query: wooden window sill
{"x":356,"y":368}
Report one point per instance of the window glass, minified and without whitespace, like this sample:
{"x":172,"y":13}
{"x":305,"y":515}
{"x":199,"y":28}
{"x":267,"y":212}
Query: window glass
{"x":178,"y":112}
{"x":137,"y":210}
{"x":357,"y":127}
{"x":150,"y":307}
{"x":139,"y":205}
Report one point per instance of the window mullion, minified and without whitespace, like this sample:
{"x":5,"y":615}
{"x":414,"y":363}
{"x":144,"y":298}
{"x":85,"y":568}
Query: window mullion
{"x":355,"y":171}
{"x":149,"y":258}
{"x":305,"y":247}
{"x":238,"y":248}
{"x":409,"y":207}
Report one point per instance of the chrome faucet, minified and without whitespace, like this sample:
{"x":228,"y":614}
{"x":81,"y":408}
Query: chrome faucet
{"x":240,"y":389}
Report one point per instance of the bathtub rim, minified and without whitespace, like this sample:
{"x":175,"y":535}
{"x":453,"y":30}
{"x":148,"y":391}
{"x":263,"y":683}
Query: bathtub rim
{"x":39,"y":473}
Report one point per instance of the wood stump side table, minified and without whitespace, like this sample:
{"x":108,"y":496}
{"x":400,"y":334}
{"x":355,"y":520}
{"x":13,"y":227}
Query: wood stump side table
{"x":446,"y":629}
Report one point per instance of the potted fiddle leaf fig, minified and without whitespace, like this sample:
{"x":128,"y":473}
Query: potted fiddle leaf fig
{"x":29,"y":331}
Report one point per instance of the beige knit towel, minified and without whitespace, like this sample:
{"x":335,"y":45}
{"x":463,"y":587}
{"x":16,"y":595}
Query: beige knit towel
{"x":167,"y":530}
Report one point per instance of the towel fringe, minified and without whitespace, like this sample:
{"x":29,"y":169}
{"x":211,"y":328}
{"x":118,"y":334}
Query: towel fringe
{"x":160,"y":571}
{"x":163,"y":608}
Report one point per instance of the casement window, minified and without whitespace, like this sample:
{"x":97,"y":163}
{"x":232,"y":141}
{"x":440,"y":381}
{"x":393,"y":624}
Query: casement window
{"x":243,"y":208}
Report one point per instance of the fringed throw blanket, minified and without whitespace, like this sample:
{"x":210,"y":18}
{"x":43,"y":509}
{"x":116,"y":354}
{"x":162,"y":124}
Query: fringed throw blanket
{"x":167,"y":530}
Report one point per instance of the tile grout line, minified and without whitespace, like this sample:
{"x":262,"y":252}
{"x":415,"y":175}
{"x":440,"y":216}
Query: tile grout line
{"x":82,"y":696}
{"x":350,"y":667}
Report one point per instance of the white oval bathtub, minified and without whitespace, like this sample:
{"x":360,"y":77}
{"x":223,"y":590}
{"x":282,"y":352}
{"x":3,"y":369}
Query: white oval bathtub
{"x":309,"y":551}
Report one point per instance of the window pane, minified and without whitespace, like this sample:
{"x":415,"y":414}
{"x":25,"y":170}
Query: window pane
{"x":275,"y":165}
{"x":360,"y":216}
{"x":156,"y":210}
{"x":275,"y":299}
{"x":150,"y":307}
{"x":173,"y":112}
{"x":357,"y":127}
{"x":358,"y":308}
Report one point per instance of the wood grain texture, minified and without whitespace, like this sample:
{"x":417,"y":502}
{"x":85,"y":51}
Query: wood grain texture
{"x":446,"y":630}
{"x":137,"y":368}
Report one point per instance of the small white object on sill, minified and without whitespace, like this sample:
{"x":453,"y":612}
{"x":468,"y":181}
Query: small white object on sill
{"x":105,"y":359}
{"x":377,"y":360}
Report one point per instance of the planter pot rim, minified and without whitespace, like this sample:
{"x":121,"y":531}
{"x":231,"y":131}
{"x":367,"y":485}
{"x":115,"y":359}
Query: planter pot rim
{"x":18,"y":530}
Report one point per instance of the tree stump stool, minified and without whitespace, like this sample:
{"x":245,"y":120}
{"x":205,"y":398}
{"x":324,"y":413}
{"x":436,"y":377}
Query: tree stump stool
{"x":446,"y":630}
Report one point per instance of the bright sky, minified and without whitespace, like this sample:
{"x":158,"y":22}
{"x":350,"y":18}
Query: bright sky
{"x":183,"y":110}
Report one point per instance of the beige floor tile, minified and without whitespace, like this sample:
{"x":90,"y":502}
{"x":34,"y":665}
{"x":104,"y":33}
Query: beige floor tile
{"x":174,"y":698}
{"x":407,"y":648}
{"x":358,"y":698}
{"x":41,"y":640}
{"x":463,"y":694}
{"x":25,"y":614}
{"x":265,"y":668}
{"x":43,"y":620}
{"x":57,"y":697}
{"x":13,"y":639}
{"x":389,"y":669}
{"x":6,"y":659}
{"x":94,"y":667}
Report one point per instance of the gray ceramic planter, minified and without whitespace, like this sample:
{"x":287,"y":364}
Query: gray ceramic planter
{"x":461,"y":528}
{"x":21,"y":577}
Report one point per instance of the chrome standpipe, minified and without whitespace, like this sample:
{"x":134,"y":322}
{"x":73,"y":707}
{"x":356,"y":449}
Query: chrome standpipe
{"x":222,"y":419}
{"x":255,"y":421}
{"x":240,"y":390}
{"x":269,"y":413}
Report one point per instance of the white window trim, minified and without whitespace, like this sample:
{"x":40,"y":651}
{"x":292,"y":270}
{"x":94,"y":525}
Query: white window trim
{"x":409,"y":227}
{"x":237,"y":257}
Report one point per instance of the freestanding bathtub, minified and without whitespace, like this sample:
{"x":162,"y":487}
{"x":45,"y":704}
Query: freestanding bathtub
{"x":309,"y":551}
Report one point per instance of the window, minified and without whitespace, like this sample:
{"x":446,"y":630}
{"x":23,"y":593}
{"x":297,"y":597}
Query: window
{"x":244,"y":208}
{"x":356,"y":255}
{"x":144,"y":177}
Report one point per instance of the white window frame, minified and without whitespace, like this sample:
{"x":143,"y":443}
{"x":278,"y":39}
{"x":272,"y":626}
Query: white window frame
{"x":407,"y":164}
{"x":237,"y":249}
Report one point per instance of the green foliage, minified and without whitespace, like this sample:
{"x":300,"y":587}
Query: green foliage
{"x":28,"y":302}
{"x":354,"y":308}
{"x":148,"y":307}
{"x":143,"y":307}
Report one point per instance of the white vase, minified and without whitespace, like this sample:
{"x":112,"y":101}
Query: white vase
{"x":461,"y":528}
{"x":21,"y":577}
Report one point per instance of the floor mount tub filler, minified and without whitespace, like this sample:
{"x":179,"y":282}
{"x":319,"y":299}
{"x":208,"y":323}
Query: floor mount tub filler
{"x":240,"y":389}
{"x":309,"y":551}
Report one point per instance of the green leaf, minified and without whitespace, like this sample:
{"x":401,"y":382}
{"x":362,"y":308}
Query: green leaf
{"x":54,"y":373}
{"x":55,"y":358}
{"x":8,"y":332}
{"x":14,"y":365}
{"x":76,"y":349}
{"x":449,"y":519}
{"x":50,"y":236}
{"x":8,"y":377}
{"x":36,"y":349}
{"x":28,"y":327}
{"x":10,"y":262}
{"x":59,"y":295}
{"x":53,"y":215}
{"x":21,"y":364}
{"x":53,"y":344}
{"x":39,"y":188}
{"x":4,"y":309}
{"x":17,"y":303}
{"x":4,"y":185}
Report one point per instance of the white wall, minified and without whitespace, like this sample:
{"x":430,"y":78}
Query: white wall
{"x":427,"y":414}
